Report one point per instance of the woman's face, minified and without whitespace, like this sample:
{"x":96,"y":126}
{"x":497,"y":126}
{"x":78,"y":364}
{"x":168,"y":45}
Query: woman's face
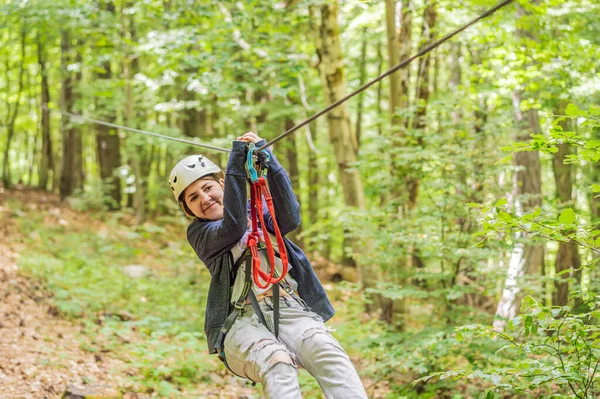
{"x":204,"y":198}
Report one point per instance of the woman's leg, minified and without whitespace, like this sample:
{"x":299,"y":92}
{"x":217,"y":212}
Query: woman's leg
{"x":305,"y":334}
{"x":253,"y":352}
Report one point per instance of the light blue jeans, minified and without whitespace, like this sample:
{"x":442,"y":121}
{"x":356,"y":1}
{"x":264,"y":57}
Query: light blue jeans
{"x":253,"y":352}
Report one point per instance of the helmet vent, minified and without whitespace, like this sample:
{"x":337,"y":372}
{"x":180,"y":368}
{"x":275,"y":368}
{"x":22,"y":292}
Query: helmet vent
{"x":191,"y":166}
{"x":175,"y":179}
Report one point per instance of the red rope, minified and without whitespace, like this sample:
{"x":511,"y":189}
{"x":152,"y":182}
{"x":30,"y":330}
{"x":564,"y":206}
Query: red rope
{"x":258,"y":190}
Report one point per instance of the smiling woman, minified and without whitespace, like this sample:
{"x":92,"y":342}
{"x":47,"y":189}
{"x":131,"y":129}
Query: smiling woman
{"x":260,"y":332}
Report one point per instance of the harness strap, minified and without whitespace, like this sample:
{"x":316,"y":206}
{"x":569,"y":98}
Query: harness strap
{"x":276,"y":310}
{"x":239,"y":304}
{"x":258,"y":310}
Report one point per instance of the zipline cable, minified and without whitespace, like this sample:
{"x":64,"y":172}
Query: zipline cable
{"x":394,"y":69}
{"x":131,"y":129}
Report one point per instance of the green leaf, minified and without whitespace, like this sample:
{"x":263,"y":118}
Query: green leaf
{"x":528,"y":321}
{"x":572,"y":110}
{"x":505,"y":216}
{"x":505,"y":160}
{"x":566,"y":271}
{"x":592,"y":144}
{"x":567,"y":216}
{"x":501,"y":202}
{"x":527,"y":302}
{"x":536,"y":211}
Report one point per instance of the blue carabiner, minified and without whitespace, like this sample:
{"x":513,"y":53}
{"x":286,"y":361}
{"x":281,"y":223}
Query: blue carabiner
{"x":250,"y":164}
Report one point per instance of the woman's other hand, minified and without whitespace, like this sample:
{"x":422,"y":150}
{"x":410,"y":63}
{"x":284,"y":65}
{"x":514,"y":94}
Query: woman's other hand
{"x":249,"y":137}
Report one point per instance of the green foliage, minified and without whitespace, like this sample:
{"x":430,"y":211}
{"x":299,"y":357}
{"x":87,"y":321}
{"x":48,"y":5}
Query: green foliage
{"x":549,"y":349}
{"x":588,"y":149}
{"x":565,"y":226}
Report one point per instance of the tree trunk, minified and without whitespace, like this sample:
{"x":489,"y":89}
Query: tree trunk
{"x":398,"y":49}
{"x":341,"y":136}
{"x":527,"y":191}
{"x":71,"y":177}
{"x":345,"y":144}
{"x":294,"y":172}
{"x":108,"y":146}
{"x":362,"y":79}
{"x":47,"y":162}
{"x":108,"y":143}
{"x":314,"y":184}
{"x":10,"y":128}
{"x":568,"y":253}
{"x":139,"y":157}
{"x":422,"y":95}
{"x":397,"y":97}
{"x":32,"y":154}
{"x":395,"y":311}
{"x":405,"y":48}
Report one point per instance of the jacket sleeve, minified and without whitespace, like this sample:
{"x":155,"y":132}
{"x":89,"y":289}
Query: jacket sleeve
{"x":211,"y":238}
{"x":287,"y":208}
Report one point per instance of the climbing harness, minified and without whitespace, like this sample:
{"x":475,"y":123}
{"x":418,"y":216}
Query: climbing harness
{"x":248,"y":293}
{"x":257,"y":165}
{"x":401,"y":65}
{"x":258,"y":191}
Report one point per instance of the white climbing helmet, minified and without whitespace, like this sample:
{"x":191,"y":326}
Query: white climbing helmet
{"x":190,"y":169}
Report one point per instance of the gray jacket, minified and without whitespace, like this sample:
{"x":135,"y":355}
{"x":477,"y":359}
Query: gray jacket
{"x":213,"y":239}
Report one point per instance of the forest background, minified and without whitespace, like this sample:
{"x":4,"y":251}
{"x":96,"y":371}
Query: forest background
{"x":451,"y":209}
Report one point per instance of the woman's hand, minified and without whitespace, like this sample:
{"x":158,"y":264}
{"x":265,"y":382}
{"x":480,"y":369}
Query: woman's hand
{"x":249,"y":137}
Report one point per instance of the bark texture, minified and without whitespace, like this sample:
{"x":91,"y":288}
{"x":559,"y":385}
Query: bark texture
{"x":343,"y":139}
{"x":568,"y":253}
{"x":47,"y":162}
{"x":71,"y":176}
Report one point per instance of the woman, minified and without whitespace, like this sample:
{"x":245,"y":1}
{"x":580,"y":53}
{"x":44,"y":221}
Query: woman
{"x":265,"y":334}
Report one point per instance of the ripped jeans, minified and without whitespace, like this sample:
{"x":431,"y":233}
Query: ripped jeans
{"x":253,"y":352}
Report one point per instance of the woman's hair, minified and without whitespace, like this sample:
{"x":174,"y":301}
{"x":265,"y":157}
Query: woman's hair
{"x":181,"y":201}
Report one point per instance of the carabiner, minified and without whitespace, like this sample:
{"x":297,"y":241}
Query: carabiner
{"x":251,"y":159}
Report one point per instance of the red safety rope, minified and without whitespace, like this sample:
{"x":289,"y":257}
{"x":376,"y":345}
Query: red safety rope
{"x":258,"y":190}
